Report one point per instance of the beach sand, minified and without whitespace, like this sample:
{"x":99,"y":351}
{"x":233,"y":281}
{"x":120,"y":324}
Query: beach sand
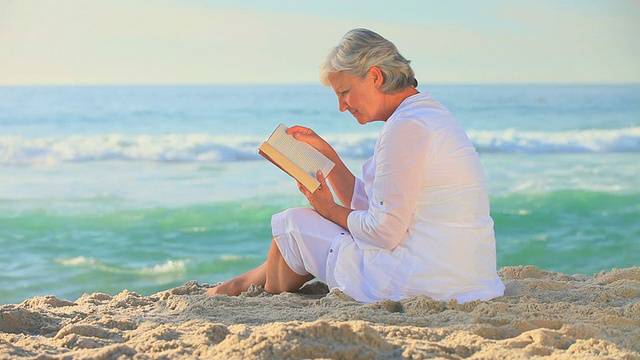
{"x":543,"y":314}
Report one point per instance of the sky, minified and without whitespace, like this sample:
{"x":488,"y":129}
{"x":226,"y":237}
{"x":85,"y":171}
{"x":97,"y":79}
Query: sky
{"x":245,"y":42}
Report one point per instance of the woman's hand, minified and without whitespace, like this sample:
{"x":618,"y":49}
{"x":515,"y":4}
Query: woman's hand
{"x":322,"y":201}
{"x":341,"y":178}
{"x":309,"y":136}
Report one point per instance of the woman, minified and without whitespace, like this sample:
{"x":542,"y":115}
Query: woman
{"x":418,"y":222}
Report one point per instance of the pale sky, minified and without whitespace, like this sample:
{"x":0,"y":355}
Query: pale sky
{"x":271,"y":41}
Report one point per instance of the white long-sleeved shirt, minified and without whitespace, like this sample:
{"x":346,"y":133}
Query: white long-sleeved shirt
{"x":421,"y":223}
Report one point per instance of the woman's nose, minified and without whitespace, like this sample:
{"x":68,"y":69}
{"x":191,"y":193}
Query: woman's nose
{"x":342,"y":105}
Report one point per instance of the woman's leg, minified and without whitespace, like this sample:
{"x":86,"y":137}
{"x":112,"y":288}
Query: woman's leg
{"x":280,"y":277}
{"x":274,"y":275}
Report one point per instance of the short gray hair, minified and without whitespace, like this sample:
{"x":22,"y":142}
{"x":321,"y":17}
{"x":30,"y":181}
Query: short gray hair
{"x":359,"y":50}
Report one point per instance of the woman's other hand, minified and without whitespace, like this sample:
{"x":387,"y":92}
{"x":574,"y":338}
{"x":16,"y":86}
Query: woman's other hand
{"x":322,"y":198}
{"x":322,"y":201}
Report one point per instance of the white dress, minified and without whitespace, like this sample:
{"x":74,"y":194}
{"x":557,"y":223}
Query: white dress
{"x":420,"y":224}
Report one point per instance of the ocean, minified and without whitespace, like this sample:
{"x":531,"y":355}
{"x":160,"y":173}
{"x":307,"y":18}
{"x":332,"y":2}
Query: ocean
{"x":105,"y":188}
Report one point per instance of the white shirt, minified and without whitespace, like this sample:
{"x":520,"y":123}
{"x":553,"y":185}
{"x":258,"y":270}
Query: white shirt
{"x":421,"y":223}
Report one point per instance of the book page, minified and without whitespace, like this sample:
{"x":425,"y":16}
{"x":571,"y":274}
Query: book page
{"x":305,"y":156}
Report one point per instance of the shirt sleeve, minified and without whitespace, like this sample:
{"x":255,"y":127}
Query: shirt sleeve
{"x":401,"y":154}
{"x":359,"y":200}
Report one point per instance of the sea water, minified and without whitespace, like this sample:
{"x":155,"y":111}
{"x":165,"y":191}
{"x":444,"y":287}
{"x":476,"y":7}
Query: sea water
{"x":105,"y":188}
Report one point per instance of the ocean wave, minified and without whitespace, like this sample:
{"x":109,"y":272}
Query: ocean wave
{"x":172,"y":267}
{"x":20,"y":151}
{"x":16,"y":150}
{"x":574,"y":141}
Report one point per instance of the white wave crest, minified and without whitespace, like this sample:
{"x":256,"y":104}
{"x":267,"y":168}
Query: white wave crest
{"x":574,"y":141}
{"x":16,"y":150}
{"x":170,"y":267}
{"x":78,"y":261}
{"x":19,"y":151}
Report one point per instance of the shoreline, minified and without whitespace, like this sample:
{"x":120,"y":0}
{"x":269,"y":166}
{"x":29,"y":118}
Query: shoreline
{"x":543,"y":313}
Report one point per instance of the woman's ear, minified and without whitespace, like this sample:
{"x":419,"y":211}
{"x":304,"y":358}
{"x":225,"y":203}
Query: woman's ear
{"x":376,"y":76}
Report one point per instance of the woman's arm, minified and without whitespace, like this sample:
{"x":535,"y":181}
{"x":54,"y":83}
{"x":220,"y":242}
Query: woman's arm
{"x":341,"y":179}
{"x":401,"y":155}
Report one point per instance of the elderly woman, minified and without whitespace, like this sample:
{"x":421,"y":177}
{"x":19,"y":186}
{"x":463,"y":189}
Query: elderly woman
{"x":418,"y":222}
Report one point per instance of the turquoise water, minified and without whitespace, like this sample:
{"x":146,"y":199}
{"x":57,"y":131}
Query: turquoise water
{"x":144,"y":188}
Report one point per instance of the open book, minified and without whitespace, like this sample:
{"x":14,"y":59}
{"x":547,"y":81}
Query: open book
{"x":297,"y":158}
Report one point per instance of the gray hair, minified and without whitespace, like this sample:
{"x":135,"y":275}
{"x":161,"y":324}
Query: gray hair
{"x":359,"y":50}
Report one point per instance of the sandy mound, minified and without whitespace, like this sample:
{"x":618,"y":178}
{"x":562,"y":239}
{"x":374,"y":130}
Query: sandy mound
{"x":543,"y":314}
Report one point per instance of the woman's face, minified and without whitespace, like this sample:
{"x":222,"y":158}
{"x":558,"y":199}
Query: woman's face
{"x":360,"y":96}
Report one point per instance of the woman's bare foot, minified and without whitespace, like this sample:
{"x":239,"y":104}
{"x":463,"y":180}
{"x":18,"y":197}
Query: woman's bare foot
{"x":231,"y":287}
{"x":240,"y":284}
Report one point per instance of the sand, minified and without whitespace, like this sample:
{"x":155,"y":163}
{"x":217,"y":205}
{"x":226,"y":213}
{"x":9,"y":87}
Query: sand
{"x":543,"y":314}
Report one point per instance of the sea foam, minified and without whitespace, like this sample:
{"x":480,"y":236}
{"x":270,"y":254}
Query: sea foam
{"x":168,"y":267}
{"x":21,"y":151}
{"x":574,"y":141}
